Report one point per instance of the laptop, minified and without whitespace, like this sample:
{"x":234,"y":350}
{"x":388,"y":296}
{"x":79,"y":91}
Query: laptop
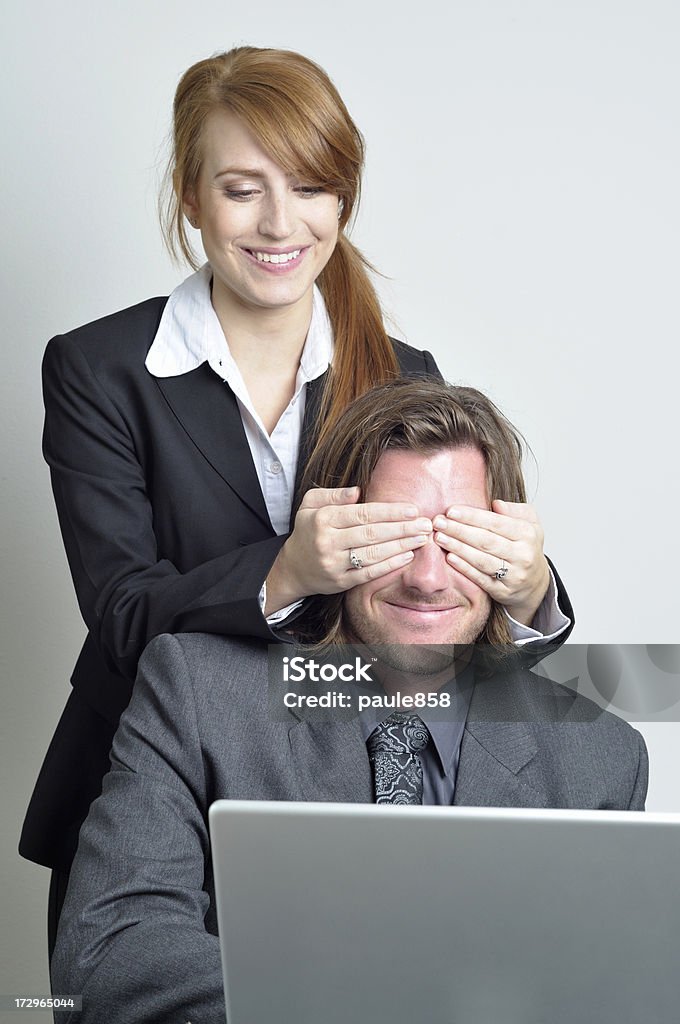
{"x":351,"y":913}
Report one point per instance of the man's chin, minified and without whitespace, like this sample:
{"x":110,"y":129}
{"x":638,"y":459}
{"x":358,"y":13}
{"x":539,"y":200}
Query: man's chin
{"x":420,"y":659}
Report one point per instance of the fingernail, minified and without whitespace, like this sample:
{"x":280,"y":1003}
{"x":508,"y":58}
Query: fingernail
{"x":453,"y":513}
{"x":423,"y":524}
{"x":439,"y":522}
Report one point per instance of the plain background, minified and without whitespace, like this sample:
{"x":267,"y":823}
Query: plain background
{"x":521,"y":198}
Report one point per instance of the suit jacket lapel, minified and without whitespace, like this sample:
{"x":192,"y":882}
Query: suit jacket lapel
{"x":200,"y":400}
{"x":331,"y":761}
{"x":497,"y":751}
{"x":309,"y":429}
{"x":498,"y":764}
{"x":208,"y":411}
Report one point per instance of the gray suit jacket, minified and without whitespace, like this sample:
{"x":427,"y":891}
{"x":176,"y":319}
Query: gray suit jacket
{"x":137,"y":935}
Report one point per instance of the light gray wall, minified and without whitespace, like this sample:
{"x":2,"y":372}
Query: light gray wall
{"x":521,"y":197}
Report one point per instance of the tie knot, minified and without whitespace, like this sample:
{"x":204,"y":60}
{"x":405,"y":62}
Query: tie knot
{"x":399,"y":734}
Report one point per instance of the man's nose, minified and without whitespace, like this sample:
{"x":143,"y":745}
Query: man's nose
{"x":428,"y":571}
{"x":276,"y":216}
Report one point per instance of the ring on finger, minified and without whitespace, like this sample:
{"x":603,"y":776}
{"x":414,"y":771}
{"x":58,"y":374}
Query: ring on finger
{"x":355,"y":561}
{"x":501,"y":573}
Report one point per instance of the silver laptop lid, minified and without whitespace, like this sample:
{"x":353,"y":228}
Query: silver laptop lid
{"x":334,"y":913}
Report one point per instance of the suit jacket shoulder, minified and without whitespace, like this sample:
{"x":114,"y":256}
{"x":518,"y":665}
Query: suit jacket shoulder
{"x":125,"y":330}
{"x":413,"y":362}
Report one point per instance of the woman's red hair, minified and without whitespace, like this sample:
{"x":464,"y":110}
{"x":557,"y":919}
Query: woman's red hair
{"x":298,"y":116}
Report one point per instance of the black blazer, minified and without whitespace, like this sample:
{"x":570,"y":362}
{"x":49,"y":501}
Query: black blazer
{"x":165,"y":529}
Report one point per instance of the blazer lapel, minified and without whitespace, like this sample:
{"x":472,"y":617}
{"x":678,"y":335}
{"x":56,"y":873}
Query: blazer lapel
{"x":488,"y":775}
{"x":331,"y":761}
{"x":208,"y":411}
{"x":496,"y":751}
{"x":309,"y":430}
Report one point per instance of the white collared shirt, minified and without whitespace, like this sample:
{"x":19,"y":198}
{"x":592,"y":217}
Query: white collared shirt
{"x":190,"y":334}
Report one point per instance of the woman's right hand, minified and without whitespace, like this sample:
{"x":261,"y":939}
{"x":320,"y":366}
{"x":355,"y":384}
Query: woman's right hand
{"x":331,"y":524}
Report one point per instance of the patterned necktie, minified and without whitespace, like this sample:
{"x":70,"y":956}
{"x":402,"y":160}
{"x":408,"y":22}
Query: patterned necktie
{"x":393,"y":749}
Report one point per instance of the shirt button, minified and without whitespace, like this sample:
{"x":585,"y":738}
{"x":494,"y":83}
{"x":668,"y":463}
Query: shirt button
{"x":275,"y":467}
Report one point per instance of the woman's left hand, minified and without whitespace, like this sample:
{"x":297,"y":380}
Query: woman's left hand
{"x":481,"y":544}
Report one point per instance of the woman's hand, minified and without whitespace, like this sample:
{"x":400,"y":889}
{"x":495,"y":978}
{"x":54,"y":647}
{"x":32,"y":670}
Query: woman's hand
{"x":481,"y":544}
{"x":332,"y":531}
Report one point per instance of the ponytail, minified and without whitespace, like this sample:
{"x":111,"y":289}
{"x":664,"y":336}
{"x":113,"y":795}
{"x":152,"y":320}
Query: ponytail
{"x":363,"y":355}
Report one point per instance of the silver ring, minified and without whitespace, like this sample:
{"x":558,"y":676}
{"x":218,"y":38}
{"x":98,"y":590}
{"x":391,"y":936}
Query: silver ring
{"x":355,"y":560}
{"x":503,"y":571}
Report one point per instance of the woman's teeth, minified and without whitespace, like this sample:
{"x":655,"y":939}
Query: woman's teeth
{"x":273,"y":257}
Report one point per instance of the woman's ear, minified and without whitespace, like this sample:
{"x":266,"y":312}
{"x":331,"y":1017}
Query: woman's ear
{"x":190,"y":208}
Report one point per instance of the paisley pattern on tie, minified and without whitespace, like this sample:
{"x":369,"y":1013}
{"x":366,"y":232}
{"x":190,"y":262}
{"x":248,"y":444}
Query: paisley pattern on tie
{"x":393,"y":749}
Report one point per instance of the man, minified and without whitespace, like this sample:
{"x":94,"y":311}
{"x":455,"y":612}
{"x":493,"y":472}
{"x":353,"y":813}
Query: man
{"x":137,"y":936}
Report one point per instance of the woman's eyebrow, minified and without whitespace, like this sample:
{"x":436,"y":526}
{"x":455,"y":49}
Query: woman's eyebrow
{"x":246,"y":172}
{"x":255,"y":172}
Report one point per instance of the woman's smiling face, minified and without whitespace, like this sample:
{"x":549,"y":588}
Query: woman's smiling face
{"x":267,"y":233}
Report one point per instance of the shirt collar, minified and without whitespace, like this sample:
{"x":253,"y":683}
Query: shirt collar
{"x":445,"y":724}
{"x":190,"y":334}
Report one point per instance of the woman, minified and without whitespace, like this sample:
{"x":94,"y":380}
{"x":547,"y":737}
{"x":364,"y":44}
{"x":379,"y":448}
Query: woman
{"x":175,"y":430}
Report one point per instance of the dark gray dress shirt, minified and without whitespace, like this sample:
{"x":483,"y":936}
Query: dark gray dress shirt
{"x":440,"y":757}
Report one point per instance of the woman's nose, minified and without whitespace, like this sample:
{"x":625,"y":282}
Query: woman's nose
{"x":276,"y":220}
